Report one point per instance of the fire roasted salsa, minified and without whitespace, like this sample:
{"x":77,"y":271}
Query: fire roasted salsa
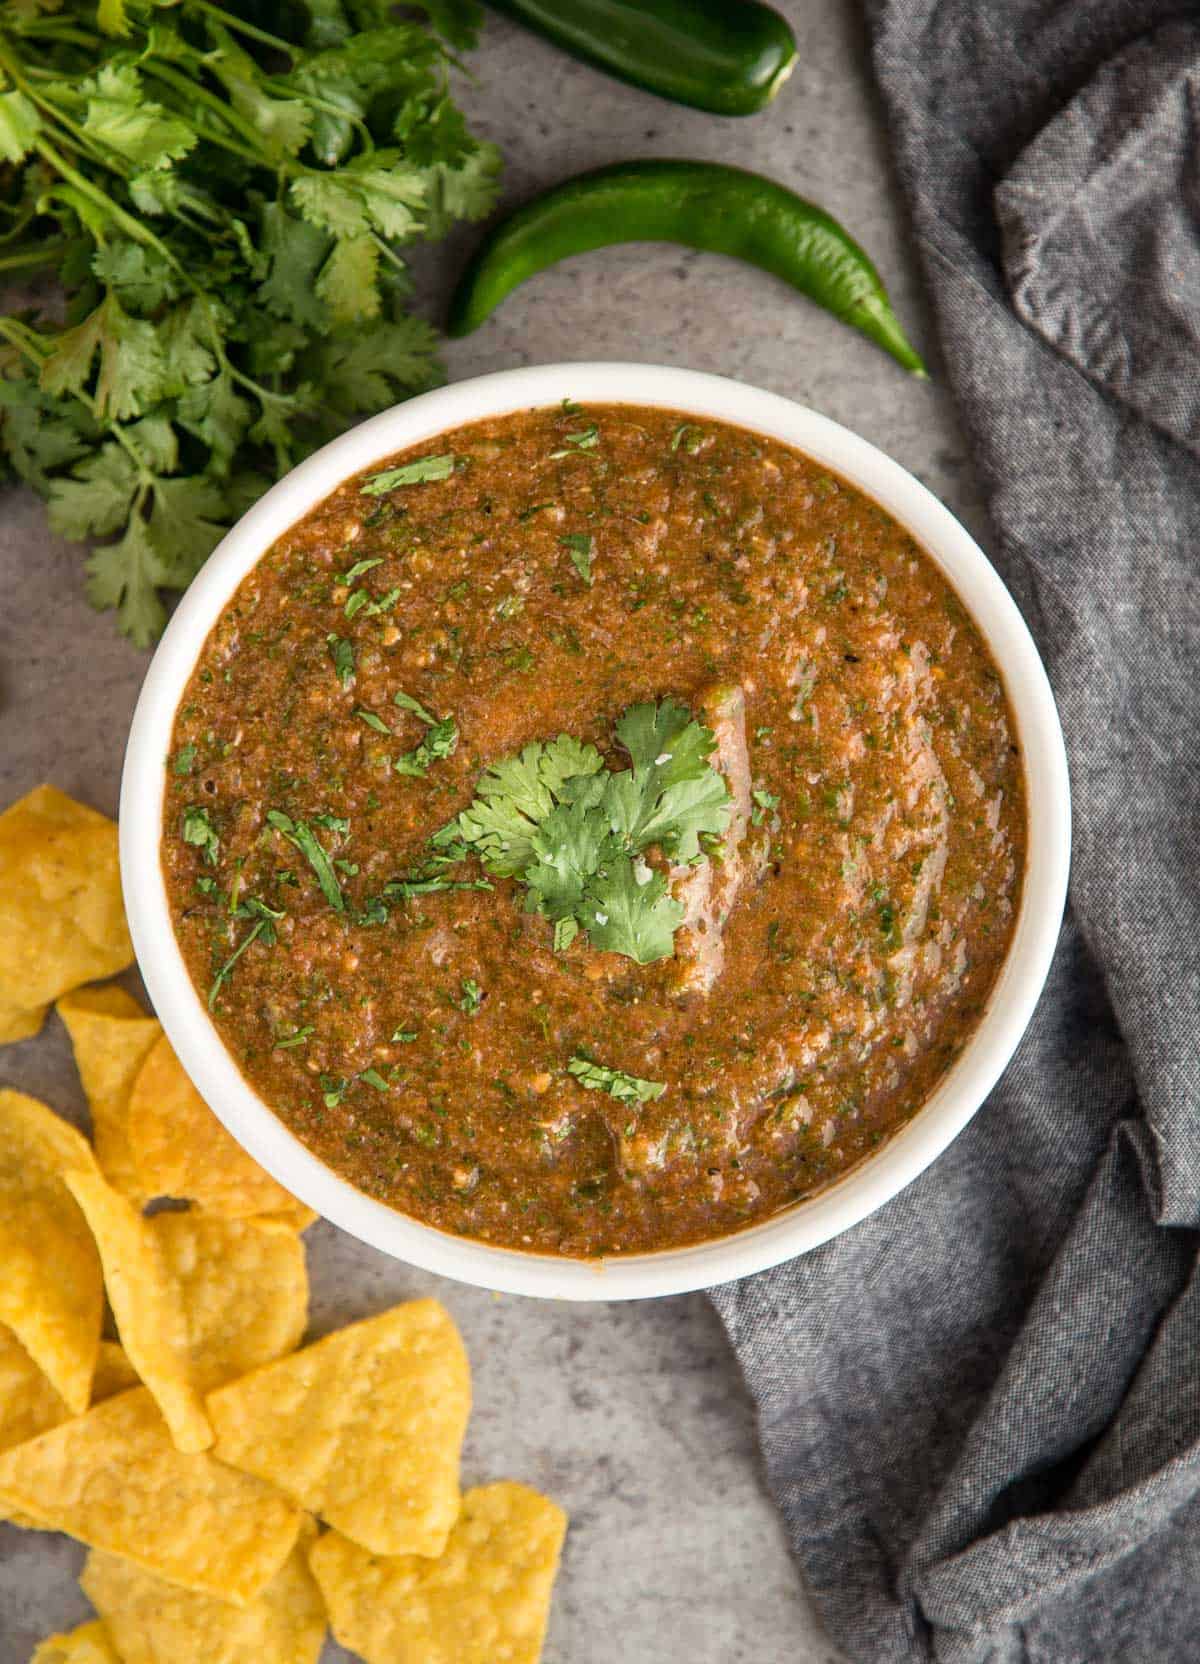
{"x":594,"y":830}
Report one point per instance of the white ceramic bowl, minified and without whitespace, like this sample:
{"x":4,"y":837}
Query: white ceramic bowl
{"x":808,"y":1223}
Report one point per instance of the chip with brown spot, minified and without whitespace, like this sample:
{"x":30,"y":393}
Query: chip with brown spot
{"x":51,"y":1294}
{"x":153,"y":1622}
{"x":112,"y":1037}
{"x":61,"y":918}
{"x":88,"y":1644}
{"x":180,"y":1149}
{"x":364,"y":1428}
{"x":243,"y":1290}
{"x":485,"y":1601}
{"x":113,"y":1479}
{"x":29,"y":1405}
{"x":147,"y":1304}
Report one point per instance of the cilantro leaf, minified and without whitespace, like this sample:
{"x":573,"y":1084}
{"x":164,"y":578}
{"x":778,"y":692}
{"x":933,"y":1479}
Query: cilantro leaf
{"x":425,"y":469}
{"x":575,"y":833}
{"x":197,"y":829}
{"x":406,"y":702}
{"x":440,"y":741}
{"x":342,"y":654}
{"x":298,"y":832}
{"x":628,"y":1089}
{"x":580,"y":546}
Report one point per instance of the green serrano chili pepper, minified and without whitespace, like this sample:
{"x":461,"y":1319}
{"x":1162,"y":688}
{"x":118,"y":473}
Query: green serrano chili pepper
{"x":702,"y":205}
{"x":727,"y":56}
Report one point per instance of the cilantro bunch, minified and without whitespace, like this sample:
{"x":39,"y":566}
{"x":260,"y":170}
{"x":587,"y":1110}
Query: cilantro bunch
{"x":221,"y":197}
{"x":575,"y":832}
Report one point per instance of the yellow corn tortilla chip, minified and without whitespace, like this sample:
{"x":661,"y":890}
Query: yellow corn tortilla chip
{"x":181,"y":1149}
{"x":114,"y":1372}
{"x":113,"y":1479}
{"x":28,"y":1403}
{"x":243,"y":1288}
{"x":155,"y":1623}
{"x":61,"y":918}
{"x":89,"y":1644}
{"x":147,"y":1305}
{"x":364,"y":1428}
{"x":112,"y":1037}
{"x":51,"y":1295}
{"x":486,"y":1601}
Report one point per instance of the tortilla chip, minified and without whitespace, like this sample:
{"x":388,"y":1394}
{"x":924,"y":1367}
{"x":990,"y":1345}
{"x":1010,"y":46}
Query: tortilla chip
{"x":243,"y":1288}
{"x":487,"y":1599}
{"x":113,"y":1479}
{"x":28,"y":1403}
{"x":51,"y":1294}
{"x":89,"y":1644}
{"x":364,"y":1428}
{"x":154,"y":1623}
{"x":61,"y":919}
{"x":112,"y":1037}
{"x":114,"y":1372}
{"x":181,"y":1149}
{"x":147,"y":1306}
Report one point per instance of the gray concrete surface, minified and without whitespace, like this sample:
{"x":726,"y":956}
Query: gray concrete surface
{"x":635,"y":1416}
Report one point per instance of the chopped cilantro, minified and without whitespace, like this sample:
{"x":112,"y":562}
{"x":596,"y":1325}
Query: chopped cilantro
{"x":687,"y":438}
{"x":406,"y":702}
{"x":440,"y":741}
{"x":382,"y":603}
{"x":575,"y":832}
{"x":198,"y":830}
{"x":342,"y":654}
{"x":306,"y":841}
{"x":372,"y":721}
{"x":627,"y":1089}
{"x":472,"y":996}
{"x":264,"y":927}
{"x":359,"y":567}
{"x":184,"y":758}
{"x":763,"y":800}
{"x":580,"y":547}
{"x":402,"y":1036}
{"x":332,"y":823}
{"x":584,"y":440}
{"x":297,"y":1038}
{"x":206,"y":885}
{"x":375,"y":1079}
{"x":333,"y":1089}
{"x":424,"y":470}
{"x":355,"y":602}
{"x":510,"y":606}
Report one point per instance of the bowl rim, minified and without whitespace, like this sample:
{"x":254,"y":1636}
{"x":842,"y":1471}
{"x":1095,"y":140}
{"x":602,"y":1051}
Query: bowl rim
{"x":806,"y":1224}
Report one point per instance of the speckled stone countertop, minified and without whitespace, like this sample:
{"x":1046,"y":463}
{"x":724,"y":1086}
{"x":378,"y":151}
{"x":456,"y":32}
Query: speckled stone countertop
{"x":633,"y":1416}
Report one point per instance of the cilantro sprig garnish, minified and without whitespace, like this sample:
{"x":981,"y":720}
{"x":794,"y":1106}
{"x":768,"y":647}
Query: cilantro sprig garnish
{"x":576,"y":833}
{"x":627,"y":1089}
{"x":213,"y":203}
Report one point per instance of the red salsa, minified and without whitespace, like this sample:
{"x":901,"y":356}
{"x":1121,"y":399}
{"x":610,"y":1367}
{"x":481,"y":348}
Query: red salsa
{"x":595,"y":830}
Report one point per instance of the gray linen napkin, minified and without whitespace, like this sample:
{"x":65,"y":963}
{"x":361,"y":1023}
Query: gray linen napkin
{"x":980,"y":1409}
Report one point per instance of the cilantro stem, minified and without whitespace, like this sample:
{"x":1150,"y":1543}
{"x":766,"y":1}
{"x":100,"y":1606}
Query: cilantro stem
{"x":239,"y":26}
{"x":193,"y":91}
{"x":34,"y":256}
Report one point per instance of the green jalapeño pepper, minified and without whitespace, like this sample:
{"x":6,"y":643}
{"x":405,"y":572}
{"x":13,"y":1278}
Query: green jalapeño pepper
{"x":701,"y":205}
{"x":728,"y":56}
